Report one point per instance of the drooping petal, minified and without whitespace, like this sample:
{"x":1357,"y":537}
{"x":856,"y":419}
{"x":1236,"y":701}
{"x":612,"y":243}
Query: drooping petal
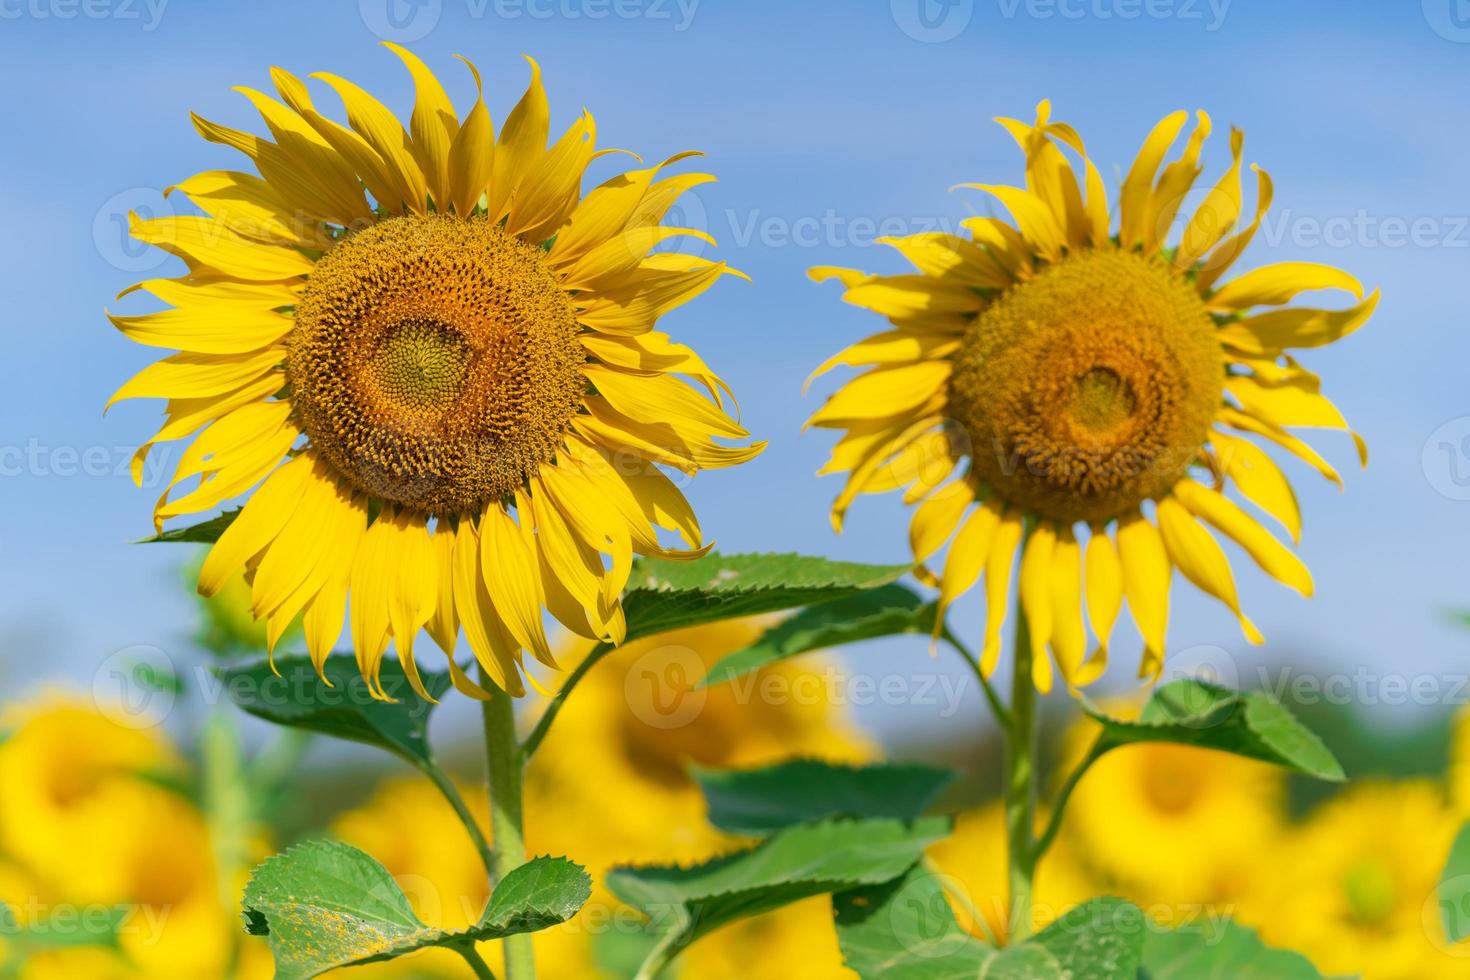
{"x":1068,"y":635}
{"x":1103,"y":579}
{"x":1146,"y":579}
{"x":1259,"y":479}
{"x":513,"y":580}
{"x":998,"y":568}
{"x":257,"y":525}
{"x":1275,"y":558}
{"x":1199,"y":556}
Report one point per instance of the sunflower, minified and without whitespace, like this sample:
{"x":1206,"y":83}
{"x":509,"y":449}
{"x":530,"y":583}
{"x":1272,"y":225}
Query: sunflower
{"x":89,"y":820}
{"x":1142,"y":811}
{"x":436,"y":358}
{"x":1355,"y":887}
{"x":1056,"y":380}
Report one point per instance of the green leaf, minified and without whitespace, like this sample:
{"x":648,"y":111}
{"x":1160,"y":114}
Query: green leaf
{"x":669,"y":595}
{"x":1219,"y":951}
{"x":758,"y":801}
{"x":1102,"y":938}
{"x":298,"y":698}
{"x":207,"y":532}
{"x":905,"y":930}
{"x":325,"y":905}
{"x":1194,"y":712}
{"x":888,"y":610}
{"x":796,"y":863}
{"x":1454,"y":888}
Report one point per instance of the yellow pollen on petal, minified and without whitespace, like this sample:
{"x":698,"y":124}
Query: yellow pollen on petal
{"x":1090,"y":388}
{"x":435,"y":362}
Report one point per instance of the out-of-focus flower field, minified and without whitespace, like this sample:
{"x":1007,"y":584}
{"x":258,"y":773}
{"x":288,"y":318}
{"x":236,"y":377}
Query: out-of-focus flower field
{"x":126,"y":846}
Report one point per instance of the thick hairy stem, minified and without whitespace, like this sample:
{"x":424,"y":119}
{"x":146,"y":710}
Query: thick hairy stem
{"x":506,"y":773}
{"x":1020,"y":783}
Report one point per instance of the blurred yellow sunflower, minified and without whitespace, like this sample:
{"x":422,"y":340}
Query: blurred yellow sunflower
{"x":87,"y":825}
{"x":429,"y":346}
{"x":1171,"y":826}
{"x":623,"y":725}
{"x":1064,"y":371}
{"x":1355,"y":887}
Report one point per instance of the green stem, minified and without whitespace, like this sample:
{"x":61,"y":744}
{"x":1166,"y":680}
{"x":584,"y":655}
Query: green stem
{"x":227,"y":810}
{"x":1020,"y":783}
{"x":660,"y":956}
{"x":476,"y":961}
{"x":1044,"y":842}
{"x":543,"y":725}
{"x":446,"y":786}
{"x":506,"y":775}
{"x":1002,"y":716}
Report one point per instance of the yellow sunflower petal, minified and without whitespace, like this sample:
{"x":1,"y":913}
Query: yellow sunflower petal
{"x":443,"y":626}
{"x":433,"y":125}
{"x":214,"y":329}
{"x":883,"y":392}
{"x":472,"y":154}
{"x":1199,"y":556}
{"x":376,"y":124}
{"x":950,"y":257}
{"x":936,"y":518}
{"x":1035,"y":587}
{"x":258,"y":523}
{"x":512,"y":578}
{"x":1259,"y":479}
{"x":1138,"y":186}
{"x":1034,"y":219}
{"x":371,"y":586}
{"x":967,"y":557}
{"x":1275,"y":558}
{"x":494,"y":649}
{"x":414,"y":591}
{"x":1103,"y":577}
{"x":547,"y":196}
{"x":999,"y":565}
{"x":1175,"y":182}
{"x":1068,"y":635}
{"x":522,"y":142}
{"x":1279,"y":284}
{"x":210,"y":246}
{"x":1146,"y":578}
{"x":1218,"y":262}
{"x":1217,"y":213}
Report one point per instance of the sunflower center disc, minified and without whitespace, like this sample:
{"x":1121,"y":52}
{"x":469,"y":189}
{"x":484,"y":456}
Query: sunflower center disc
{"x":1089,"y":389}
{"x":435,"y":362}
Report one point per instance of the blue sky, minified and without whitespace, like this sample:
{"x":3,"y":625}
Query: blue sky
{"x":825,"y":122}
